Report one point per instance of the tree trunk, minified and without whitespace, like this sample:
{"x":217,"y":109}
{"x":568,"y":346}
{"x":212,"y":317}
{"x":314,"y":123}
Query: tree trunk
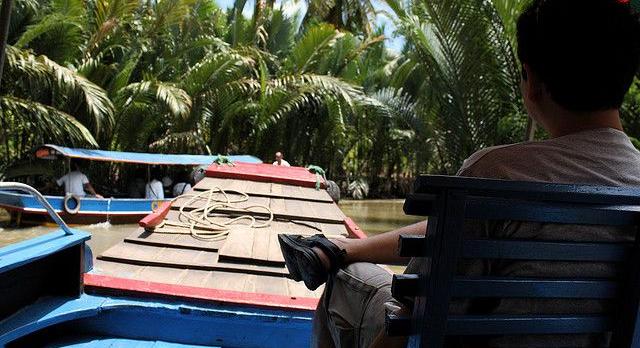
{"x":531,"y":130}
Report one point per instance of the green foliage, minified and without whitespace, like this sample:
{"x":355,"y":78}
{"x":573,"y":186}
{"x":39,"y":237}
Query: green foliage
{"x":186,"y":76}
{"x":630,"y":113}
{"x":461,"y":53}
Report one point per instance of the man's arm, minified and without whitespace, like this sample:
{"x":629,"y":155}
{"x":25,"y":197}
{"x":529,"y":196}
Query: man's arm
{"x":381,"y":248}
{"x":89,"y":188}
{"x":61,"y":180}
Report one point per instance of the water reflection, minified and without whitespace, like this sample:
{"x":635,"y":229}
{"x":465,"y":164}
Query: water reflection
{"x":377,"y":216}
{"x":103,"y":235}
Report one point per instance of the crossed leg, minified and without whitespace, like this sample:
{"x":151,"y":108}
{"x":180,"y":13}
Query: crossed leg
{"x":351,"y":310}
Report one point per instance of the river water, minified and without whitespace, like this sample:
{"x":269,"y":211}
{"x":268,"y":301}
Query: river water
{"x":373,"y":216}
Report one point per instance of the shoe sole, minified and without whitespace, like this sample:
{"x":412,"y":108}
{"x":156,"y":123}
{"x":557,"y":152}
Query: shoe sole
{"x":295,"y":254}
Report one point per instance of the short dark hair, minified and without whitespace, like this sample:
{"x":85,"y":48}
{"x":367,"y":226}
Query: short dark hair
{"x":586,"y":52}
{"x":75,"y":164}
{"x":156,"y":173}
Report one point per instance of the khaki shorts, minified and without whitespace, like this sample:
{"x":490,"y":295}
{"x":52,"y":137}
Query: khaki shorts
{"x":351,"y":311}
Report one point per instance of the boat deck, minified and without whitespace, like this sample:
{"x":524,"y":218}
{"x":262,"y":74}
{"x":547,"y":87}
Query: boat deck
{"x":247,"y":260}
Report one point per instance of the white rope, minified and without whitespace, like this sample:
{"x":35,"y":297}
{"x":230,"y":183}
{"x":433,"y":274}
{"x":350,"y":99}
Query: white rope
{"x":199,"y":221}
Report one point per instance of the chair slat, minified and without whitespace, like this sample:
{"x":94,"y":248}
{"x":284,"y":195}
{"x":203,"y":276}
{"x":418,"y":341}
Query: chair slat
{"x":541,"y":250}
{"x":415,"y":246}
{"x":527,"y":324}
{"x":505,"y":287}
{"x":412,"y":245}
{"x":405,"y":285}
{"x":567,"y":193}
{"x":489,"y":208}
{"x":396,"y":325}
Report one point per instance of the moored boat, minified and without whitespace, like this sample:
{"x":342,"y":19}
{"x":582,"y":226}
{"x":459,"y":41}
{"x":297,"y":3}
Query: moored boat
{"x":88,"y":210}
{"x":177,"y":282}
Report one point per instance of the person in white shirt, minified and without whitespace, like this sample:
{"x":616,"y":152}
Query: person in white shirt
{"x":280,"y":160}
{"x":76,"y":183}
{"x":154,"y":188}
{"x":182,"y":186}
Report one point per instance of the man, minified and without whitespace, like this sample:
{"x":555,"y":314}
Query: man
{"x":76,"y":183}
{"x":280,"y":161}
{"x":578,"y":58}
{"x":183,"y":185}
{"x":154,"y":189}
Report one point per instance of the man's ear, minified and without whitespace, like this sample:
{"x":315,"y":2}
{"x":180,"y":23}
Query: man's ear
{"x":531,"y":84}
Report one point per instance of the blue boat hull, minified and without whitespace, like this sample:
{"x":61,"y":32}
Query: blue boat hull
{"x":92,"y":210}
{"x":99,"y":321}
{"x":44,"y":305}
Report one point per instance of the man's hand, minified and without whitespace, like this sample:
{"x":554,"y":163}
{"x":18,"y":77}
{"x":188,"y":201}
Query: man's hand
{"x":89,"y":188}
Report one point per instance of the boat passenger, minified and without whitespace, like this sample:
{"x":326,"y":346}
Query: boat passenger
{"x":182,"y":186}
{"x":280,"y":160}
{"x":153,"y":189}
{"x":76,"y":183}
{"x":167,"y":182}
{"x":577,"y":65}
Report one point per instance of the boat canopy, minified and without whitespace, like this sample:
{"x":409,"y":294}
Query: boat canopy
{"x":49,"y":151}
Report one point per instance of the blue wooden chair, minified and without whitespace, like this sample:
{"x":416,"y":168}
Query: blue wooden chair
{"x":448,"y":201}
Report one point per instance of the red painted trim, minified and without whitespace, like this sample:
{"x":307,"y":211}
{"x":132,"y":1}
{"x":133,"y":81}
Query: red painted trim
{"x":11,"y":207}
{"x":155,"y":218}
{"x":100,"y":282}
{"x":264,"y":172}
{"x":353,"y":229}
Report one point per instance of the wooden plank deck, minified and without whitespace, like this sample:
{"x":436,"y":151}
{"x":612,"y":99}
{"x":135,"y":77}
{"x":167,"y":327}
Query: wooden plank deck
{"x":247,"y":260}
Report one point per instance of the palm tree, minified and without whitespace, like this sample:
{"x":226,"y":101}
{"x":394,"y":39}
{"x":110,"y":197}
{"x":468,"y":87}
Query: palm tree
{"x":42,"y":101}
{"x":460,"y":65}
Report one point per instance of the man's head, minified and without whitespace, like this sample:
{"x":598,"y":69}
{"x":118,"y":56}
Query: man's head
{"x":156,"y":173}
{"x":75,"y":165}
{"x":582,"y":54}
{"x":278,"y":156}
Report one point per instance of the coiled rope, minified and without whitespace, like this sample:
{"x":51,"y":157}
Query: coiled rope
{"x":199,"y":221}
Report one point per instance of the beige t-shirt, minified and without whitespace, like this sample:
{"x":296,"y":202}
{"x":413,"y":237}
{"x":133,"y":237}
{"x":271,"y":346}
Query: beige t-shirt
{"x":600,"y":157}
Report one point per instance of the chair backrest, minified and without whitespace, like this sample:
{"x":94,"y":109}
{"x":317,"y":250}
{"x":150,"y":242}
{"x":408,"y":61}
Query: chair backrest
{"x":449,"y":201}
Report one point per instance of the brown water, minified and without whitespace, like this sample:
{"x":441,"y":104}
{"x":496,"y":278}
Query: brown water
{"x":373,"y":216}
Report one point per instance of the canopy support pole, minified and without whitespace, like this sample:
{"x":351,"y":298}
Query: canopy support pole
{"x":5,"y":20}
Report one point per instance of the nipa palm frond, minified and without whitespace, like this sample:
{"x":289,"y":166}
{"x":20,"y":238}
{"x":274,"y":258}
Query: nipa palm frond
{"x":308,"y":51}
{"x":65,"y":81}
{"x":49,"y":123}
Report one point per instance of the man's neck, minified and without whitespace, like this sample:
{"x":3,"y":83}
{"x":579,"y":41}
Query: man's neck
{"x":566,"y":122}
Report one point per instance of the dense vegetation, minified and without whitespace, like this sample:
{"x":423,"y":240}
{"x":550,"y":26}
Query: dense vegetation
{"x":185,"y":76}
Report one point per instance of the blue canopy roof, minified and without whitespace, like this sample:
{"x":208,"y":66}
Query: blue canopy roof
{"x":49,"y":151}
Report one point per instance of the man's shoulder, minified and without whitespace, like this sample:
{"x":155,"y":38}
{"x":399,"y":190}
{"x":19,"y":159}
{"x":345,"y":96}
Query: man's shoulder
{"x":600,"y":157}
{"x":531,"y":160}
{"x":487,"y":156}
